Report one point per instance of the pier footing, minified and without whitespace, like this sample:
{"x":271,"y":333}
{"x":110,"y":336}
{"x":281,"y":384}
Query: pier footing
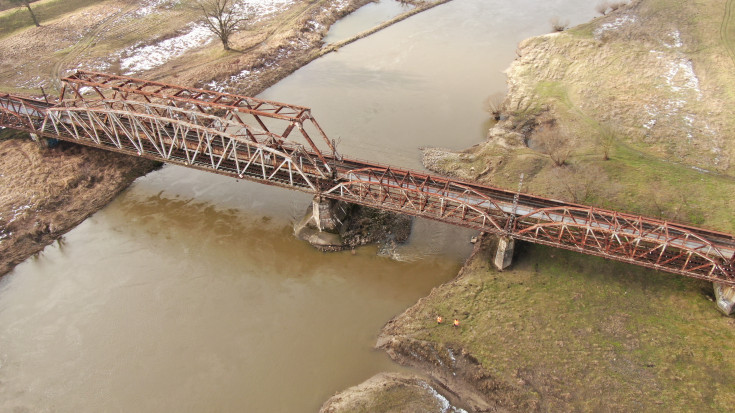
{"x":504,"y":253}
{"x":725,"y":298}
{"x":322,"y":224}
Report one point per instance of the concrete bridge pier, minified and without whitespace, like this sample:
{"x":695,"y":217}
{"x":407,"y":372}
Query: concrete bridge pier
{"x":44,"y":142}
{"x":322,"y":224}
{"x":504,"y":252}
{"x":328,"y":214}
{"x":725,"y":298}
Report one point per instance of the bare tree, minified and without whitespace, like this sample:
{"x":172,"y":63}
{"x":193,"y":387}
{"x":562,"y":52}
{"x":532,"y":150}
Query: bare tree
{"x":602,"y":7}
{"x":606,"y":139}
{"x":558,"y":25}
{"x":671,"y":205}
{"x":221,"y":19}
{"x":618,"y":4}
{"x":494,"y":104}
{"x":554,"y":143}
{"x":28,"y":6}
{"x":581,"y":183}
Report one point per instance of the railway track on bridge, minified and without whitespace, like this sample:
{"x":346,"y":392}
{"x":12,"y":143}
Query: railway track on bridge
{"x":276,"y":144}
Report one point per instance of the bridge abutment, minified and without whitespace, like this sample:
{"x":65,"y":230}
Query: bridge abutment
{"x":725,"y":298}
{"x":504,"y":252}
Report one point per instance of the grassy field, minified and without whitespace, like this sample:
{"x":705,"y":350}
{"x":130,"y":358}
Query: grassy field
{"x":568,"y":332}
{"x":18,"y":18}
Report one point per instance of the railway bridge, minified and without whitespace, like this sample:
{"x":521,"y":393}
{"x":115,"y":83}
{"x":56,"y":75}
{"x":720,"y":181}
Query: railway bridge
{"x":281,"y":144}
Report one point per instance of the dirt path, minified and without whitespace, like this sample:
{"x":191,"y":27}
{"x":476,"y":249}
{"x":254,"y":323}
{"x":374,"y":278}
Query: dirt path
{"x":726,"y":27}
{"x":84,"y":44}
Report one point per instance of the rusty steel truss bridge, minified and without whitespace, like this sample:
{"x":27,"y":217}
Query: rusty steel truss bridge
{"x":280,"y":144}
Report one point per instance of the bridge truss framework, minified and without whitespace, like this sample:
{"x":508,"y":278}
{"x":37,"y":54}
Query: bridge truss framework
{"x":253,"y":139}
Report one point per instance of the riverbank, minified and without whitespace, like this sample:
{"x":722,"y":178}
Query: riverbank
{"x":624,"y":112}
{"x":66,"y":184}
{"x":560,"y":331}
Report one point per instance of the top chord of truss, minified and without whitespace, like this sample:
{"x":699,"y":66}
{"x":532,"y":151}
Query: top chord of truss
{"x":102,"y":82}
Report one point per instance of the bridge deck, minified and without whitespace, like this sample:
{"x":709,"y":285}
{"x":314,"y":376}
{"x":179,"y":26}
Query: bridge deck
{"x":209,"y":135}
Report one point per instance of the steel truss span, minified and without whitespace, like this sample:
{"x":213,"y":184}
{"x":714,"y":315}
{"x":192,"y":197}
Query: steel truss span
{"x":252,"y":139}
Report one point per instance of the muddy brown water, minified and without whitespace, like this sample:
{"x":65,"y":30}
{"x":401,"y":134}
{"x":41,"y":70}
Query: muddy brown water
{"x":189,"y":292}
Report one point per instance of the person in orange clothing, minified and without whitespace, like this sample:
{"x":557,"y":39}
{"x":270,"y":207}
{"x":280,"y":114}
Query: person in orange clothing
{"x":456,"y":322}
{"x":439,"y":319}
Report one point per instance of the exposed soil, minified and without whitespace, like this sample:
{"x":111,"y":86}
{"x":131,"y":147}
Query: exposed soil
{"x":391,"y":392}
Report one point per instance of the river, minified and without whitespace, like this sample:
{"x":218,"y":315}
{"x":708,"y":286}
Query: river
{"x":189,"y":292}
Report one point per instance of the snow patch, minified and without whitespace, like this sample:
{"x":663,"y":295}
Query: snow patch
{"x":679,"y":74}
{"x":676,"y":40}
{"x":255,"y":10}
{"x":443,"y":402}
{"x":679,"y":77}
{"x":232,"y":80}
{"x":240,"y":81}
{"x":153,"y":5}
{"x":653,"y":113}
{"x":340,"y":5}
{"x":17,"y":212}
{"x":138,"y":58}
{"x":35,"y":82}
{"x":148,"y":57}
{"x":613,"y":25}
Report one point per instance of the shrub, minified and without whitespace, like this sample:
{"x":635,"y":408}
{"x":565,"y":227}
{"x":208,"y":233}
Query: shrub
{"x":618,"y":4}
{"x":558,"y":25}
{"x":554,"y":143}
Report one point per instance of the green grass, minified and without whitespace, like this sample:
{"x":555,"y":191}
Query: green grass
{"x":583,"y":333}
{"x":702,"y":198}
{"x":18,"y":18}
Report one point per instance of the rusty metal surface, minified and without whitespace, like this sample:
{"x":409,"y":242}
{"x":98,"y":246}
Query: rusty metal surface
{"x":270,"y":116}
{"x":207,"y":130}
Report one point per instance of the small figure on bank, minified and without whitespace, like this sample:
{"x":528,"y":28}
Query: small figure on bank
{"x":439,"y":319}
{"x":456,"y":322}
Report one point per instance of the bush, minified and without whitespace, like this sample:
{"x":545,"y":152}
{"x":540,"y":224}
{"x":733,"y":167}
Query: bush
{"x":554,"y":143}
{"x":494,"y":104}
{"x":602,"y":7}
{"x":616,"y":5}
{"x":558,"y":25}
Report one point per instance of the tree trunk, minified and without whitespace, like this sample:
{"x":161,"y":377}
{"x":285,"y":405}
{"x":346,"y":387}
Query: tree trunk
{"x":33,"y":15}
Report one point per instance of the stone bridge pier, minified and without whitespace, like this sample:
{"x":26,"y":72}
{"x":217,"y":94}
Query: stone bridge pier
{"x":504,"y":252}
{"x":322,"y":224}
{"x":725,"y":298}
